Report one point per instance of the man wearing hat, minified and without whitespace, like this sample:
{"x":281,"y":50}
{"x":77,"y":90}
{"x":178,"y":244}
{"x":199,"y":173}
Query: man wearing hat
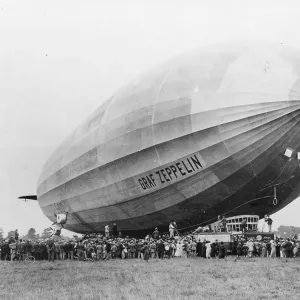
{"x":171,"y":229}
{"x":16,"y":235}
{"x":115,"y":230}
{"x":155,"y":234}
{"x":107,"y":231}
{"x":243,"y":225}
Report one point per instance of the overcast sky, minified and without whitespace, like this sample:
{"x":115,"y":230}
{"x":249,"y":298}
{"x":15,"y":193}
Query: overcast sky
{"x":60,"y":59}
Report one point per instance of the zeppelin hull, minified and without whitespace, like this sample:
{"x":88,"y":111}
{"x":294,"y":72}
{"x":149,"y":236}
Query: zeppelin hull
{"x":202,"y":135}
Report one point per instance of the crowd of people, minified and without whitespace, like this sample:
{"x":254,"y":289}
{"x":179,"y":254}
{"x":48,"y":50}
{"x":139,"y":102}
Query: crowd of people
{"x":113,"y":246}
{"x":103,"y":247}
{"x":278,"y":247}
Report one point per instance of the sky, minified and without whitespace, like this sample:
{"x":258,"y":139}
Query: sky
{"x":59,"y":60}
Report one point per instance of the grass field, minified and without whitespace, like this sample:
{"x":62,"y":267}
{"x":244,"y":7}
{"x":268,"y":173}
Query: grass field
{"x":258,"y":278}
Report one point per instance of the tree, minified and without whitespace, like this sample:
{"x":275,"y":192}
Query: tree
{"x":46,"y":233}
{"x":1,"y":234}
{"x":10,"y":234}
{"x":31,"y":235}
{"x":288,"y":231}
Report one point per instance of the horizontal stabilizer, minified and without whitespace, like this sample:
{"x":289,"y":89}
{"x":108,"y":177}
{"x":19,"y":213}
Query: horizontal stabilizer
{"x":30,"y":197}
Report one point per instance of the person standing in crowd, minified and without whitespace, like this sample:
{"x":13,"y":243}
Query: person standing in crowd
{"x":284,"y":250}
{"x":245,"y":248}
{"x":289,"y":248}
{"x":81,"y":250}
{"x":37,"y":250}
{"x":217,"y":248}
{"x":171,"y":230}
{"x":132,"y":250}
{"x":113,"y":251}
{"x":264,"y":252}
{"x":57,"y":250}
{"x":139,"y":246}
{"x":269,"y":222}
{"x":62,"y":250}
{"x":124,"y":252}
{"x":108,"y":250}
{"x":160,"y":249}
{"x":33,"y":249}
{"x":71,"y":250}
{"x":28,"y":248}
{"x":184,"y":249}
{"x":268,"y":245}
{"x":239,"y":251}
{"x":222,"y":250}
{"x":250,"y":246}
{"x":50,"y":249}
{"x":167,"y":250}
{"x":106,"y":231}
{"x":155,"y":234}
{"x":99,"y":251}
{"x":244,"y":225}
{"x":296,"y":249}
{"x":104,"y":251}
{"x":219,"y":224}
{"x":13,"y":249}
{"x":22,"y":250}
{"x":175,"y":227}
{"x":193,"y":248}
{"x":172,"y":248}
{"x":152,"y":250}
{"x":199,"y":248}
{"x":208,"y":249}
{"x":223,"y":224}
{"x":273,"y":249}
{"x":203,"y":250}
{"x":179,"y":249}
{"x":278,"y":252}
{"x":145,"y":250}
{"x":115,"y":230}
{"x":212,"y":250}
{"x":16,"y":235}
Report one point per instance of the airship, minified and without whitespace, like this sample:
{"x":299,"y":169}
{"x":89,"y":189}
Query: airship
{"x":214,"y":131}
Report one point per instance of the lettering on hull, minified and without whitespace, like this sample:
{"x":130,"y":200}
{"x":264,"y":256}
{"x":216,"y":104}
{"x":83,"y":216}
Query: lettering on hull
{"x":171,"y":172}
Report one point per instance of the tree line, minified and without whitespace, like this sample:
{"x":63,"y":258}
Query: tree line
{"x":31,"y":234}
